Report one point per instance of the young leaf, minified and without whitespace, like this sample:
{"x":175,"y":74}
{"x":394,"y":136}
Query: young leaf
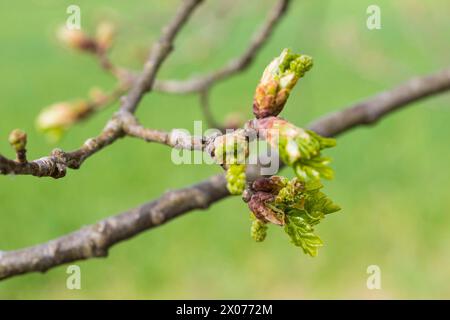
{"x":302,"y":235}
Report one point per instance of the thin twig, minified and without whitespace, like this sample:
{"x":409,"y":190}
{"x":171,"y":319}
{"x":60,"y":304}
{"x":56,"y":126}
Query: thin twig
{"x":95,"y":240}
{"x":236,"y":65}
{"x":179,"y":139}
{"x":371,"y":110}
{"x":158,"y":53}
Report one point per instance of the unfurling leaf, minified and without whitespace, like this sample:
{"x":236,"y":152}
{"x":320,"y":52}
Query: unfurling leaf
{"x":298,"y":148}
{"x":277,"y":81}
{"x":236,"y":178}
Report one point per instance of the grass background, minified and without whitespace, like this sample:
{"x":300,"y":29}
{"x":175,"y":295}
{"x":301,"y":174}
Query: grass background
{"x":392,"y":180}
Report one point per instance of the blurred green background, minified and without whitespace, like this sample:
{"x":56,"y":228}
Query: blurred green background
{"x":392,"y":180}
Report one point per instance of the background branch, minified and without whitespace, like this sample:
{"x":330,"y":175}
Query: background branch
{"x":206,"y":109}
{"x":373,"y":109}
{"x":158,"y":53}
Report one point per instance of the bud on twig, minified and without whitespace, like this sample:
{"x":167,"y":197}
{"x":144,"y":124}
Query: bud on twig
{"x":231,"y":148}
{"x":277,"y":81}
{"x":18,"y":140}
{"x":258,"y":205}
{"x":258,"y":230}
{"x":271,"y":184}
{"x":77,"y":39}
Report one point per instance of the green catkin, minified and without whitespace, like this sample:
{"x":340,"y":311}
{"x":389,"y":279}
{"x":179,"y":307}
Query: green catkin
{"x":258,"y":230}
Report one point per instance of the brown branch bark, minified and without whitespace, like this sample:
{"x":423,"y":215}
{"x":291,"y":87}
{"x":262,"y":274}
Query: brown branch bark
{"x":206,"y":110}
{"x":176,"y":138}
{"x":95,"y":240}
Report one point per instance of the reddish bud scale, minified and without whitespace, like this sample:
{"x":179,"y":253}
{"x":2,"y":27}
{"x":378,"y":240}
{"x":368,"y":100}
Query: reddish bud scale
{"x":268,"y":101}
{"x":77,"y":39}
{"x":257,"y":205}
{"x":271,"y":185}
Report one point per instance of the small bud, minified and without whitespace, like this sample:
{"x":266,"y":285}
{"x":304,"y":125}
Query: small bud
{"x":282,"y":134}
{"x":277,"y":81}
{"x":76,"y":39}
{"x":292,"y":194}
{"x":236,"y":178}
{"x":18,"y":139}
{"x":56,"y":118}
{"x":105,"y":35}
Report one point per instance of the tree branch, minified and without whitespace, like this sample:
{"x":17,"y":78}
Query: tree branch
{"x":95,"y":240}
{"x":206,"y":109}
{"x":158,"y":53}
{"x":202,"y":83}
{"x":369,"y":111}
{"x":176,"y":138}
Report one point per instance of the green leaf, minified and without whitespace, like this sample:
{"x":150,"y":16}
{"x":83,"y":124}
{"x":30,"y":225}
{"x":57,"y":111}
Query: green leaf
{"x":302,"y":235}
{"x":323,"y":141}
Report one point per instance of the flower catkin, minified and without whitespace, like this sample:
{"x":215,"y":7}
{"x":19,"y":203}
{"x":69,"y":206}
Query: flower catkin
{"x":231,"y":150}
